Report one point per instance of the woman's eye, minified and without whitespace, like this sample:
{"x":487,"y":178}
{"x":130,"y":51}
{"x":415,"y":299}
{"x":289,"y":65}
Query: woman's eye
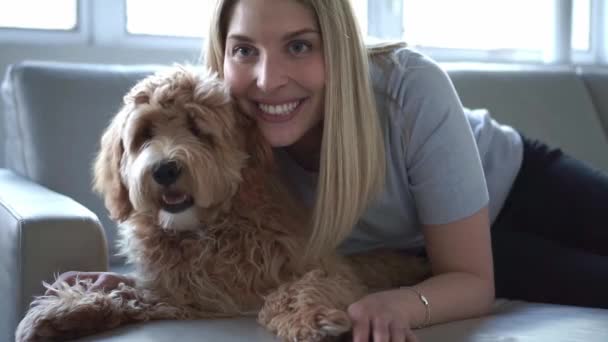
{"x":299,"y":47}
{"x":243,"y":51}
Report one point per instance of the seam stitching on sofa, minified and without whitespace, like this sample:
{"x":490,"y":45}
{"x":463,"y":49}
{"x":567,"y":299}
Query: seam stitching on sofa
{"x":17,"y":117}
{"x":10,"y":209}
{"x":587,"y":87}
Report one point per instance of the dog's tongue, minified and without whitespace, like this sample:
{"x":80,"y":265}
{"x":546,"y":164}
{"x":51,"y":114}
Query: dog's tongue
{"x":174,"y":197}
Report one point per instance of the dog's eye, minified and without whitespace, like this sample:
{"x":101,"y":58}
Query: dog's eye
{"x":146,"y":133}
{"x":142,"y":136}
{"x":197,"y":132}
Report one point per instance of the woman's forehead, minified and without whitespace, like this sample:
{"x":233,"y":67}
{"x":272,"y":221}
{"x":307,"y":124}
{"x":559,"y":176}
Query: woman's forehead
{"x":270,"y":17}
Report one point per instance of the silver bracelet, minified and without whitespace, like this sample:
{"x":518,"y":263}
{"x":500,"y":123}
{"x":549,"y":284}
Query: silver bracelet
{"x":425,"y":302}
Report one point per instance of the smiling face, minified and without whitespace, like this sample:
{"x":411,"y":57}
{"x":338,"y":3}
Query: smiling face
{"x":274,"y":66}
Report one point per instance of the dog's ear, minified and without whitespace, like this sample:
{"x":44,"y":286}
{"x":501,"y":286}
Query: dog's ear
{"x":260,"y":149}
{"x":141,"y":97}
{"x":257,"y":147}
{"x":106,"y":171}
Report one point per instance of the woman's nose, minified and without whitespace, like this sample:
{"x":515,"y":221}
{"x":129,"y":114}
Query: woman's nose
{"x":272,"y":74}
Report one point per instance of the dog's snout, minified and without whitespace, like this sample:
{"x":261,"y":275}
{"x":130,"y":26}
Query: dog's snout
{"x":166,"y":172}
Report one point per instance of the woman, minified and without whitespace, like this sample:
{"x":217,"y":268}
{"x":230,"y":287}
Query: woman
{"x":378,"y":144}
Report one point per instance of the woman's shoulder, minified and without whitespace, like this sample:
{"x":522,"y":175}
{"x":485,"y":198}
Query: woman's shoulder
{"x":392,"y":54}
{"x":401,"y":73}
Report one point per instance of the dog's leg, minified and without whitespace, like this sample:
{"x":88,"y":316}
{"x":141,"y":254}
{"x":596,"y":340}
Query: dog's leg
{"x":312,"y":308}
{"x":385,"y":269}
{"x":74,"y":312}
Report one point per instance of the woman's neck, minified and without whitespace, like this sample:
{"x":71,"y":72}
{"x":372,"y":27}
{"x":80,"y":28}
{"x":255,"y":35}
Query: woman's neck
{"x":306,"y":152}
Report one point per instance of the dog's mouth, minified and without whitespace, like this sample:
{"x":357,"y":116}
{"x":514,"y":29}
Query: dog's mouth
{"x":175,"y":201}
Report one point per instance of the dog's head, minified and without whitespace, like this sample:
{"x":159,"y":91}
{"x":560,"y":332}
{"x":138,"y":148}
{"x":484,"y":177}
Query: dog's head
{"x":174,"y":150}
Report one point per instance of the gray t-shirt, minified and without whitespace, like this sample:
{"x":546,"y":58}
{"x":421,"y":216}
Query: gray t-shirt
{"x":444,"y":162}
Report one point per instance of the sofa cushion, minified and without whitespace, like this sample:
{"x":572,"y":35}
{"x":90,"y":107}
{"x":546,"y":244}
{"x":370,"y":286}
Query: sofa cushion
{"x":510,"y":321}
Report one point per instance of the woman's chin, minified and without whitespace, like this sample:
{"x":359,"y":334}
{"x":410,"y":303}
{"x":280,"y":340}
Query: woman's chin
{"x":279,"y":140}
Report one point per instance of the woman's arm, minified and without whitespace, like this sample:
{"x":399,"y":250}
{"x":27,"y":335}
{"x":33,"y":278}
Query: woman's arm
{"x":462,"y":285}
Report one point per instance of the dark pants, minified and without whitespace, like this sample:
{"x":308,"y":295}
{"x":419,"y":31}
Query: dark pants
{"x":550,"y":241}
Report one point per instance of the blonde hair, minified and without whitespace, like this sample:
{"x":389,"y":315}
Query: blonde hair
{"x":352,"y":165}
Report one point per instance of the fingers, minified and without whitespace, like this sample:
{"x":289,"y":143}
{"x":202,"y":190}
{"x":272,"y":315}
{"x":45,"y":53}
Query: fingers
{"x":375,"y":318}
{"x":398,"y":334}
{"x":381,"y":331}
{"x":103,"y":281}
{"x":70,"y":278}
{"x":107,"y":281}
{"x":410,"y":336}
{"x":361,"y":331}
{"x":361,"y":323}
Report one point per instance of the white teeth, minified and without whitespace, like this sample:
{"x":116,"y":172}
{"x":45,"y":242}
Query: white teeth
{"x":283,"y":109}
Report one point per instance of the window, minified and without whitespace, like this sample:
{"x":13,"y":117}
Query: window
{"x":176,"y":18}
{"x":39,"y":14}
{"x":514,"y":29}
{"x":188,"y":18}
{"x":478,"y":24}
{"x":360,"y":9}
{"x":552,"y":31}
{"x":581,"y":25}
{"x":44,"y":22}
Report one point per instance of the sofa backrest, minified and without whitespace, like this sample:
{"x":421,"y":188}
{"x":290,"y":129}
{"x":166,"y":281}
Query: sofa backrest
{"x":55,"y":113}
{"x":596,"y":82}
{"x":54,"y":117}
{"x":554,"y":104}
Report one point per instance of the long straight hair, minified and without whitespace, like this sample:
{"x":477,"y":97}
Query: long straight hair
{"x":352,"y":165}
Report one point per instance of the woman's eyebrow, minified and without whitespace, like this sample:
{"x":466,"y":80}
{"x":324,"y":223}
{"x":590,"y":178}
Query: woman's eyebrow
{"x":241,"y":37}
{"x":288,"y":36}
{"x":294,"y":34}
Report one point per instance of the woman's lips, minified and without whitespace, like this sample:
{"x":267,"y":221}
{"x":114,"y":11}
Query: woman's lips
{"x":278,"y":116}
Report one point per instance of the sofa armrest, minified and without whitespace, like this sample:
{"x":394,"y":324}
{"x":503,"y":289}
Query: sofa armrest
{"x":42,"y":233}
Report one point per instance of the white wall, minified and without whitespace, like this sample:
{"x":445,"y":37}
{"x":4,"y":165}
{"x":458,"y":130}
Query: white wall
{"x":14,"y":53}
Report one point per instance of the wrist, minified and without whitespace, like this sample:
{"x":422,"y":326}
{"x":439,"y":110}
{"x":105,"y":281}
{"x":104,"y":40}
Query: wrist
{"x":423,"y":320}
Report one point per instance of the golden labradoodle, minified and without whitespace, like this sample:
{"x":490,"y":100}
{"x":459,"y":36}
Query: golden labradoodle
{"x":208,"y":226}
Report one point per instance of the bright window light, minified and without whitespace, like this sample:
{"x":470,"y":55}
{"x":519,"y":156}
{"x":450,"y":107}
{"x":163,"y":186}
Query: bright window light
{"x":581,"y":24}
{"x":189,"y":18}
{"x":490,"y":24}
{"x":360,"y":8}
{"x":478,"y":24}
{"x":39,"y":14}
{"x":176,"y":18}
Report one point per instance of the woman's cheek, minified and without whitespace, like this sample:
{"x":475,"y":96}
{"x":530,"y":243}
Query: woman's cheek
{"x":235,"y":81}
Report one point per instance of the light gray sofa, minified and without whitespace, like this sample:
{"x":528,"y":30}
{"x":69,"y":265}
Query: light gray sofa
{"x":51,"y":222}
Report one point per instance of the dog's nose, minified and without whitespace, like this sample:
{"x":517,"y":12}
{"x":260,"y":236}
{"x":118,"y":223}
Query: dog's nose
{"x":166,"y":173}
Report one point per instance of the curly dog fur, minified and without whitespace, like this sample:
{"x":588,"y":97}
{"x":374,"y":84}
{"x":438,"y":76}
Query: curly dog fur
{"x":207,"y":224}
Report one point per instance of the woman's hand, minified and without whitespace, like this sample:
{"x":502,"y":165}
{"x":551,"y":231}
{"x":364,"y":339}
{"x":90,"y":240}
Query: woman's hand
{"x":381,"y":317}
{"x":105,"y":281}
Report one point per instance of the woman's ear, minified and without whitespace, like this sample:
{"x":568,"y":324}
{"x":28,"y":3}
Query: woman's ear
{"x":107,"y":180}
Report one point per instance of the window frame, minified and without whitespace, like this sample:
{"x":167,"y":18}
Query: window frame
{"x":112,"y":31}
{"x":561,"y":51}
{"x":98,"y":25}
{"x":598,"y":49}
{"x":79,"y":35}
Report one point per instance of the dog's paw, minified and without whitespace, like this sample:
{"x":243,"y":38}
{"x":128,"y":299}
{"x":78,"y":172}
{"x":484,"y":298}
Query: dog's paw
{"x":310,"y":325}
{"x":333,"y":322}
{"x":73,"y":311}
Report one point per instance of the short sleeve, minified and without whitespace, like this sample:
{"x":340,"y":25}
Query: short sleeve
{"x":444,"y":170}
